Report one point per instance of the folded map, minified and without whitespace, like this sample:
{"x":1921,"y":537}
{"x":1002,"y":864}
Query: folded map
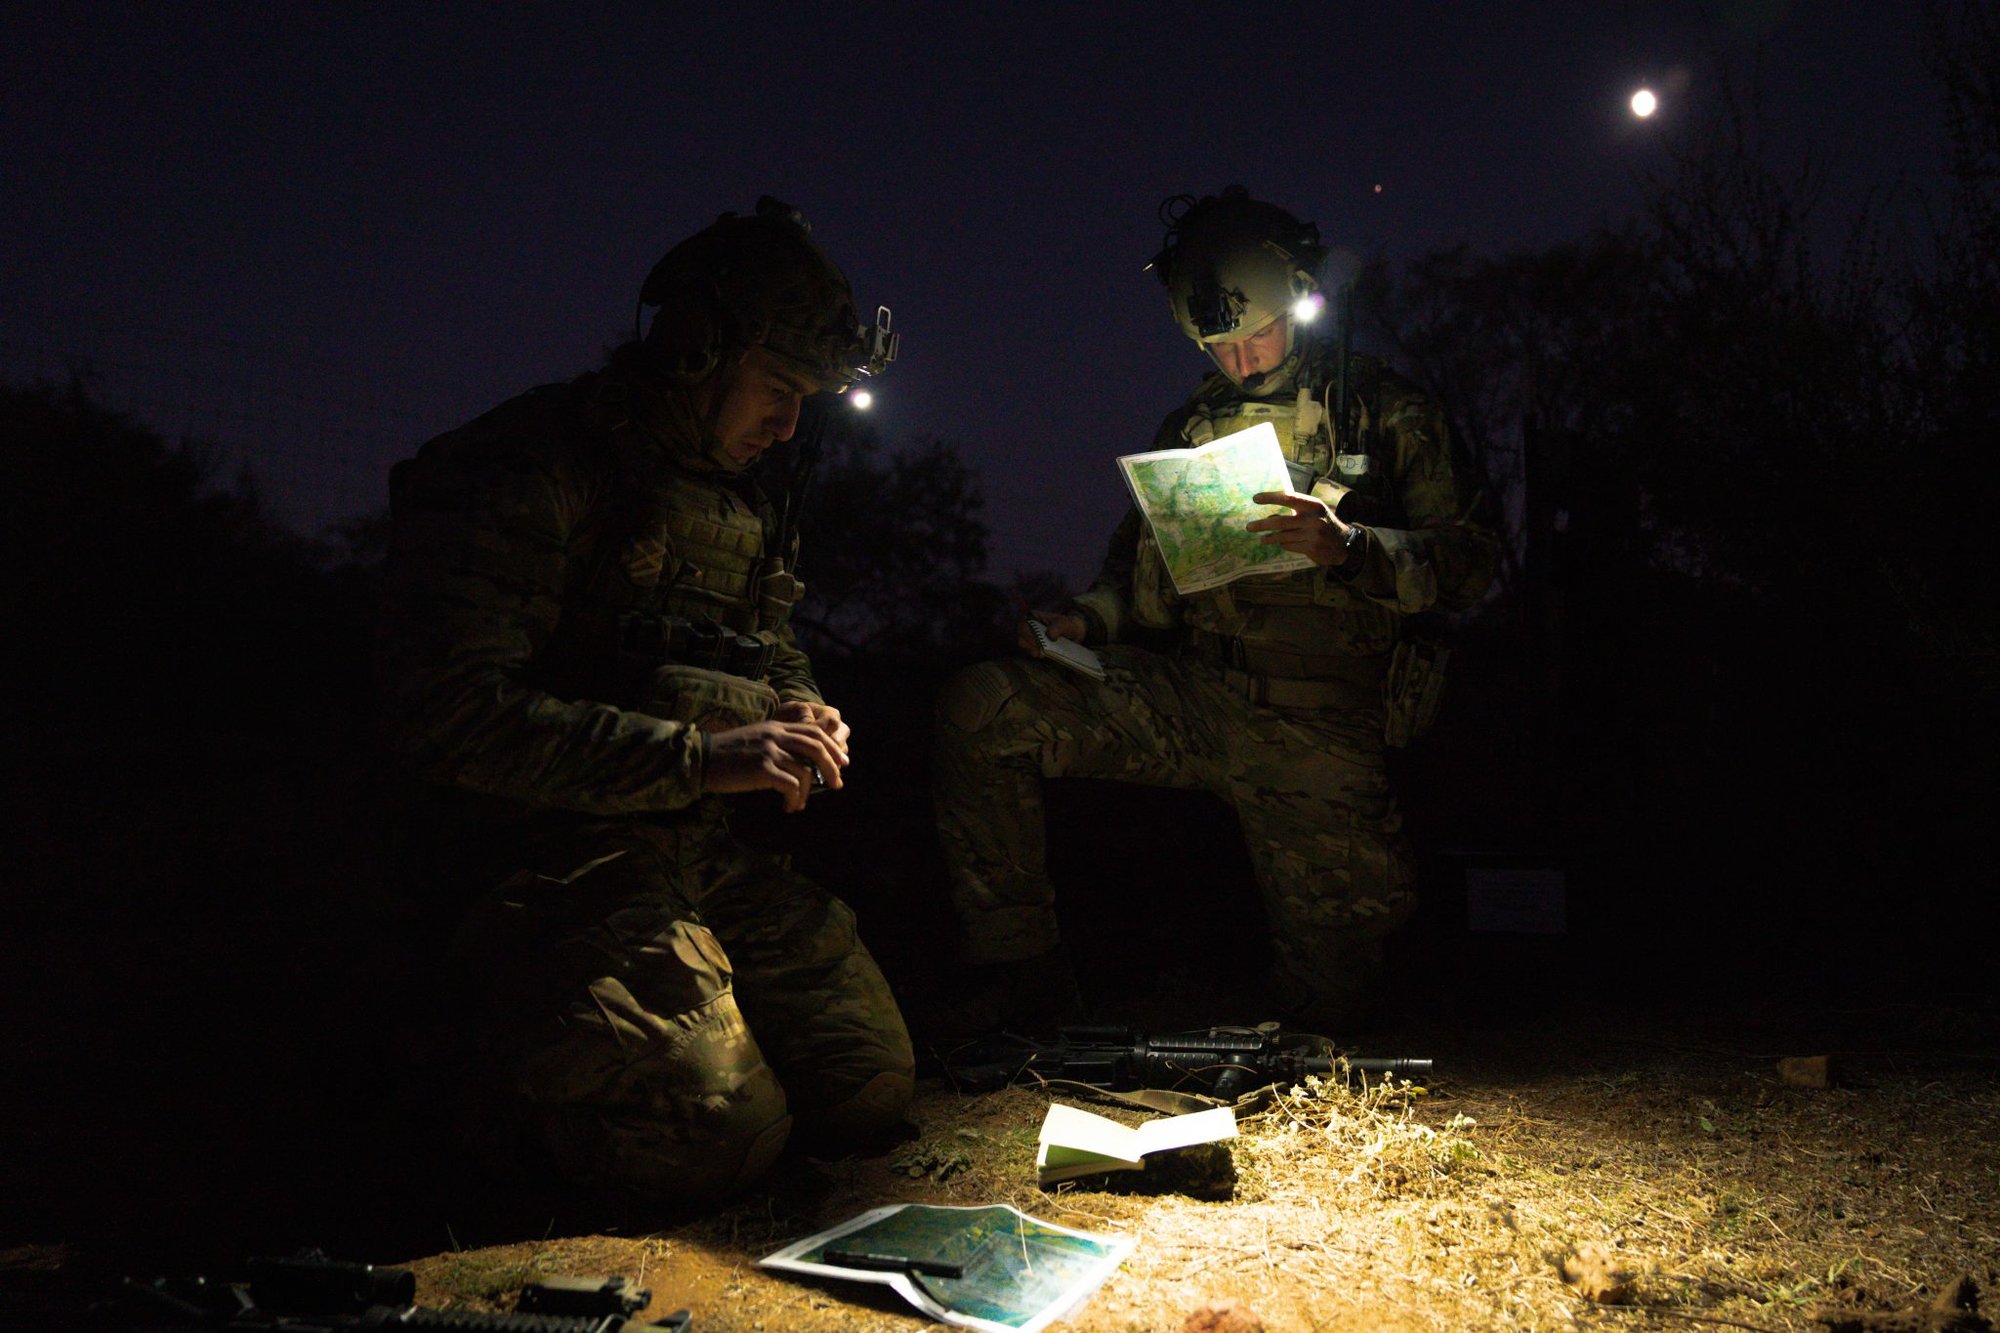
{"x":1197,"y":503}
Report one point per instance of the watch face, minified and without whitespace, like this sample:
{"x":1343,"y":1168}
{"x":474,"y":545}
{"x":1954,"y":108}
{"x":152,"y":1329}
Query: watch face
{"x":1357,"y":538}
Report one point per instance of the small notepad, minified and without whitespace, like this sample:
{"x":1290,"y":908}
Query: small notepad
{"x":1076,"y":1143}
{"x":1068,"y":652}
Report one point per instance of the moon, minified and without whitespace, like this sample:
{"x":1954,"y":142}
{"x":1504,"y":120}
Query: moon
{"x":1644,"y":103}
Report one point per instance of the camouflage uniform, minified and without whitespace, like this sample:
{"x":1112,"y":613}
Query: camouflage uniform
{"x":637,"y":996}
{"x":1272,"y":697}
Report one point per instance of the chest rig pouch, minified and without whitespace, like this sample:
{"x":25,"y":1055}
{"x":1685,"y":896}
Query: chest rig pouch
{"x":1414,"y":686}
{"x":705,"y":641}
{"x":1307,"y":623}
{"x":697,"y":605}
{"x":1312,"y":462}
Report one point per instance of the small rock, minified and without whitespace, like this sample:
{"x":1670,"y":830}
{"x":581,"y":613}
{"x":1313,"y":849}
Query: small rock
{"x":1224,"y":1314}
{"x":1955,"y":1309}
{"x":1598,"y":1274}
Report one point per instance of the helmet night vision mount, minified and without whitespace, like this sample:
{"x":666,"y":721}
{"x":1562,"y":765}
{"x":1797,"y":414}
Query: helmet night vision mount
{"x":760,"y":281}
{"x":1232,"y":265}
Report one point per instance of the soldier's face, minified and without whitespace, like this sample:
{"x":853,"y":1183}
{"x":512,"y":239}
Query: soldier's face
{"x":1262,"y":351}
{"x":760,"y":407}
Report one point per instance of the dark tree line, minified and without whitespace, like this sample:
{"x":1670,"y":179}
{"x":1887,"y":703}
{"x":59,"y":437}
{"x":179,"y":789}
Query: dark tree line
{"x":894,"y":552}
{"x":177,"y":663}
{"x":1747,"y":630}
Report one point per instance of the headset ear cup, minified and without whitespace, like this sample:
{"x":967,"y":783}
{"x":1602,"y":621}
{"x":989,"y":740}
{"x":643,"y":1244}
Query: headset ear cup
{"x":686,"y":334}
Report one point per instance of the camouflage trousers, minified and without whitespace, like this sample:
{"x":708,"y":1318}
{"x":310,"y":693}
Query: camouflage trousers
{"x":652,"y":1008}
{"x":1308,"y":785}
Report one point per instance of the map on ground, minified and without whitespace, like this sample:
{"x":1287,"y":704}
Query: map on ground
{"x":1197,"y":502}
{"x":1014,"y":1273}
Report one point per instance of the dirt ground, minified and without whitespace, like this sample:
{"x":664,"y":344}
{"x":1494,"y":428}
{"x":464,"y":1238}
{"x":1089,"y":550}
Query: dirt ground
{"x":1581,"y":1176}
{"x":1570,"y":1165}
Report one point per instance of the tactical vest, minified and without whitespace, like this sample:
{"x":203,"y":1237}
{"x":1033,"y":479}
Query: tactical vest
{"x":1302,"y":624}
{"x":671,"y":590}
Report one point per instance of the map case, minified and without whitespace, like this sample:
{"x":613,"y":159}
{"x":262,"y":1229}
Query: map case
{"x":1197,"y":503}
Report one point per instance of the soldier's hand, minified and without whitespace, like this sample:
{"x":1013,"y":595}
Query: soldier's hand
{"x":824,"y":716}
{"x":1310,"y":530}
{"x":779,"y":756}
{"x":1059,"y":624}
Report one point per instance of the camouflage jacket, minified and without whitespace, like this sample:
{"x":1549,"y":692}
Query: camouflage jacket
{"x":1389,"y":468}
{"x":518,"y":543}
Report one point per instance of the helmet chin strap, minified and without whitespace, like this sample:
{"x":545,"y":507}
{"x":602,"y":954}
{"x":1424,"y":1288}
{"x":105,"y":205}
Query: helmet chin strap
{"x":723,"y":377}
{"x":1281,"y":378}
{"x":1266,"y":382}
{"x":673,"y":413}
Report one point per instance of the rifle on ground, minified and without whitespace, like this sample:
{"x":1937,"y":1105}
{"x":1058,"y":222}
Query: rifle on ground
{"x":1222,"y":1063}
{"x":311,"y":1293}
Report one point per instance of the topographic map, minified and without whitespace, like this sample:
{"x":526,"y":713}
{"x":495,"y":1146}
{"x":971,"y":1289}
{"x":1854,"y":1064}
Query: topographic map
{"x":990,"y":1267}
{"x":1197,"y":502}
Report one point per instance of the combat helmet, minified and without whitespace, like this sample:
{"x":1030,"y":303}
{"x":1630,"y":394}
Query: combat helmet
{"x":760,"y":281}
{"x":1232,"y":265}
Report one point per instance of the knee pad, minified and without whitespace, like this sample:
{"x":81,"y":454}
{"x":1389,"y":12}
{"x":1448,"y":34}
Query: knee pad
{"x":676,"y":1107}
{"x":971,"y":699}
{"x":870,"y":1115}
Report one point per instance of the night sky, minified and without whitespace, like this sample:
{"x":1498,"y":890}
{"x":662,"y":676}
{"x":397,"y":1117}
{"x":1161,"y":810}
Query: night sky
{"x":318,"y":234}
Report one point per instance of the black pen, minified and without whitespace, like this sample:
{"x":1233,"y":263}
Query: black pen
{"x":891,"y":1263}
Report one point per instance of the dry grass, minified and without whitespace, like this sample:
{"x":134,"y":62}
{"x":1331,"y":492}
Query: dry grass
{"x":1692,"y":1192}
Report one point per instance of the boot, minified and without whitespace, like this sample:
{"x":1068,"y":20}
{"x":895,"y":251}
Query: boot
{"x":1035,"y":994}
{"x":1352,"y":1002}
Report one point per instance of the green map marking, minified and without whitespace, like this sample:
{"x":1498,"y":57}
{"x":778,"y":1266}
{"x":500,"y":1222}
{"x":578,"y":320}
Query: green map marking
{"x":1197,"y":503}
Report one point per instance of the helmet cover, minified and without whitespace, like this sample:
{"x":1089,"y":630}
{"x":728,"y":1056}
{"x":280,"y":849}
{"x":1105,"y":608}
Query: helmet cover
{"x":761,"y":281}
{"x":1232,"y":264}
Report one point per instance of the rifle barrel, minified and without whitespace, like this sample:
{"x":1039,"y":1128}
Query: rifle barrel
{"x":1394,"y":1066}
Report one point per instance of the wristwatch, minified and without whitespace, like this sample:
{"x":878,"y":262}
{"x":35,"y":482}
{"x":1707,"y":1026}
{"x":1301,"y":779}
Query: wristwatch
{"x":1351,"y":548}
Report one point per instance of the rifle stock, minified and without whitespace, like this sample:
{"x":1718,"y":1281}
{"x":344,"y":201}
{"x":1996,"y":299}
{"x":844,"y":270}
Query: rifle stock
{"x":310,"y":1293}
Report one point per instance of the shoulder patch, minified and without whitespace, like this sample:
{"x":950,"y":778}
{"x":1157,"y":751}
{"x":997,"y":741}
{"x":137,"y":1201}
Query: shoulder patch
{"x":644,"y":559}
